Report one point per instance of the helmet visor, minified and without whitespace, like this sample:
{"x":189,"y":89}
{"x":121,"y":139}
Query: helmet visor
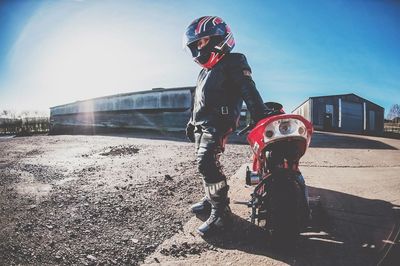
{"x":190,"y":35}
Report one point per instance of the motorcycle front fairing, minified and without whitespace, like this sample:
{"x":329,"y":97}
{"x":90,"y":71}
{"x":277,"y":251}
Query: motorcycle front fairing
{"x":280,"y":132}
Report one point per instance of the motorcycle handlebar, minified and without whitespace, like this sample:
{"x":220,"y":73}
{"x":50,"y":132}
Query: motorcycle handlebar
{"x":251,"y":126}
{"x":246,"y":129}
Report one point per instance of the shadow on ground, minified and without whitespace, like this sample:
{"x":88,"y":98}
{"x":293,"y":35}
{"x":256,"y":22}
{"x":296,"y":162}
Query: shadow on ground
{"x":326,"y":140}
{"x":347,"y":230}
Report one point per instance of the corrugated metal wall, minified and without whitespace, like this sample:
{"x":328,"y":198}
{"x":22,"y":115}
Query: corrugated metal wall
{"x":159,"y":109}
{"x":352,"y":117}
{"x":304,"y":110}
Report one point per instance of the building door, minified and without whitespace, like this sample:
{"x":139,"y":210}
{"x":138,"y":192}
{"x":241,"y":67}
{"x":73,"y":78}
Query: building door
{"x":327,"y":121}
{"x":352,"y":117}
{"x":371,"y":120}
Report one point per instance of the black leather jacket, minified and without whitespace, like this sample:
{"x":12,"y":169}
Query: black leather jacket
{"x":220,"y":92}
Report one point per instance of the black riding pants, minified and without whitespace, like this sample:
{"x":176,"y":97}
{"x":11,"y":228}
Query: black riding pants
{"x":210,"y":144}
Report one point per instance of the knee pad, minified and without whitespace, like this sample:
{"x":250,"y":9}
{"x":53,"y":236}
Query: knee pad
{"x":217,"y":193}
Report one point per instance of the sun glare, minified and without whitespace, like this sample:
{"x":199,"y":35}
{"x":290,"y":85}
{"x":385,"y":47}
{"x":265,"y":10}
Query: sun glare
{"x":76,"y":51}
{"x":85,"y":63}
{"x":83,"y":56}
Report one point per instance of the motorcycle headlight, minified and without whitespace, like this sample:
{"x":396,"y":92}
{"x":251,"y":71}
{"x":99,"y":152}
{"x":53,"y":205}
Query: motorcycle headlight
{"x":302,"y":130}
{"x":269,"y":133}
{"x":285,"y":128}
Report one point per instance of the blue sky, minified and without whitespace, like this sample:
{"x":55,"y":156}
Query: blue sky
{"x":55,"y":52}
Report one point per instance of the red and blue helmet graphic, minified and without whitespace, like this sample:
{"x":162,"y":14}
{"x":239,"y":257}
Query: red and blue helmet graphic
{"x":221,"y":40}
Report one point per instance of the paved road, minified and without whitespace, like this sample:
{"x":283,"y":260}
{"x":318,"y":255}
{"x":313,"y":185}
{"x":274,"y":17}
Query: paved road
{"x":357,"y":179}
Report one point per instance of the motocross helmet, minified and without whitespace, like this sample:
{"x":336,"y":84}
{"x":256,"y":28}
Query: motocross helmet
{"x":221,"y":40}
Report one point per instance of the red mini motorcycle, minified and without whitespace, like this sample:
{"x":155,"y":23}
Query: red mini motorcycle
{"x":279,"y":200}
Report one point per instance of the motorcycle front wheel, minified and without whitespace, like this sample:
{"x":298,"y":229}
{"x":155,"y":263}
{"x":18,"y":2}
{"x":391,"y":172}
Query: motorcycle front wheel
{"x":286,"y":208}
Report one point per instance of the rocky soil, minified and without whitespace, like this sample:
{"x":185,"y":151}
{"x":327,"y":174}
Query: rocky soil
{"x":97,"y":200}
{"x":123,"y":199}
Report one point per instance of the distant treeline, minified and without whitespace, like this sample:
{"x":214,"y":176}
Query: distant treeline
{"x":26,"y":125}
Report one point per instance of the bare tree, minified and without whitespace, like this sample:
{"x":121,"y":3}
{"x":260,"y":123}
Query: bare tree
{"x":25,"y":122}
{"x":394,"y":112}
{"x":7,"y":114}
{"x":4,"y":113}
{"x":25,"y":113}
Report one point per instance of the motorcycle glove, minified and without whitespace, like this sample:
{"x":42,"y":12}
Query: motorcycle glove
{"x":190,"y":132}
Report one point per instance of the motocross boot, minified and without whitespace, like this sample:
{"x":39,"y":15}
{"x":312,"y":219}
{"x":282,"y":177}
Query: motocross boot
{"x":220,"y":211}
{"x":201,"y":207}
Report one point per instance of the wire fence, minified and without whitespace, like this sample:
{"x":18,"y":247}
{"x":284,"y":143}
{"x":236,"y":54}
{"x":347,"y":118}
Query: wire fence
{"x":392,"y":130}
{"x":392,"y":127}
{"x":26,"y":125}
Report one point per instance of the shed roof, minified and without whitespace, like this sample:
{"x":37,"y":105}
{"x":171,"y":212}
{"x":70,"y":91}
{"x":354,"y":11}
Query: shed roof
{"x":126,"y":94}
{"x":337,"y":95}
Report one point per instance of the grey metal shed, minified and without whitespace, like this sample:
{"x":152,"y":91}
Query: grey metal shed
{"x":343,"y":113}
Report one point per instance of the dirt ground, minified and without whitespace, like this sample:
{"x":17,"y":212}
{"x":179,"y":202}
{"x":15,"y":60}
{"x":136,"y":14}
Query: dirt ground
{"x":103,"y":200}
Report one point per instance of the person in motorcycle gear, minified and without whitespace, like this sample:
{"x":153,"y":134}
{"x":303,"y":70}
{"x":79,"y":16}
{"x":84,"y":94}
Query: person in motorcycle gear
{"x":223,"y":84}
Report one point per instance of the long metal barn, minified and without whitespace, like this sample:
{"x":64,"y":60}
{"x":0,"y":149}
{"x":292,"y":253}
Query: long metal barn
{"x":156,"y":109}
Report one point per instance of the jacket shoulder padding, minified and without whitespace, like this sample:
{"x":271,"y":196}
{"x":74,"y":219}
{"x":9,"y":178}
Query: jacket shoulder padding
{"x":237,"y":61}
